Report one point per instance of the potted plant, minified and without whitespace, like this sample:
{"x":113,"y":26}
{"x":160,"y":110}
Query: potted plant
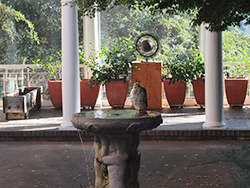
{"x":197,"y":75}
{"x":236,"y":82}
{"x":175,"y":74}
{"x":113,"y":72}
{"x":53,"y":69}
{"x":89,"y":94}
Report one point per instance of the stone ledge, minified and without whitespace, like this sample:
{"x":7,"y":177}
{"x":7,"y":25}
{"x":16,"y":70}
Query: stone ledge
{"x":153,"y":135}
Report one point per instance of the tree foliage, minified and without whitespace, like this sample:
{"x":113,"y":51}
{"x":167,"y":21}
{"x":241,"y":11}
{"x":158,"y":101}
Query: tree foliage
{"x":218,"y":14}
{"x":7,"y":18}
{"x":11,"y":35}
{"x":236,"y":45}
{"x":178,"y":38}
{"x":236,"y":51}
{"x":45,"y":15}
{"x":173,"y":31}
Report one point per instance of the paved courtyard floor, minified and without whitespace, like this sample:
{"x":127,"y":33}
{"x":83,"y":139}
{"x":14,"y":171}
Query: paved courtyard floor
{"x":174,"y":164}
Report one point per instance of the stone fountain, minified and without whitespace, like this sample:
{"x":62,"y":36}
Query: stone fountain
{"x":116,"y":132}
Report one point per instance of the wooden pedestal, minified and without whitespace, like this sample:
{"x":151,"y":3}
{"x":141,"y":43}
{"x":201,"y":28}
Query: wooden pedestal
{"x":149,"y":76}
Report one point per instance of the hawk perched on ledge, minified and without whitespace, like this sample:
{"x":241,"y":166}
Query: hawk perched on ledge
{"x":139,"y":97}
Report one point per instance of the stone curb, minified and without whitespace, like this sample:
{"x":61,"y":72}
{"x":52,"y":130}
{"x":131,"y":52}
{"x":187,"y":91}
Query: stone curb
{"x":150,"y":135}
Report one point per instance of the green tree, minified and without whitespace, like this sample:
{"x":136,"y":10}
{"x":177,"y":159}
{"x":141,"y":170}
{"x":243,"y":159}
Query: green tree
{"x":236,"y":45}
{"x":174,"y":31}
{"x":45,"y":15}
{"x":12,"y":36}
{"x":218,"y":14}
{"x":236,"y":51}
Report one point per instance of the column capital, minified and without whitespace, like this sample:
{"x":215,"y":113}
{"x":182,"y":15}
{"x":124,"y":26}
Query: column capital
{"x":68,"y":1}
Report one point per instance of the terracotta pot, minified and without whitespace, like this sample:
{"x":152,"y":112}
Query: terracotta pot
{"x":88,"y":95}
{"x":175,"y":93}
{"x":116,"y":91}
{"x":236,"y":89}
{"x":199,"y":91}
{"x":55,"y":92}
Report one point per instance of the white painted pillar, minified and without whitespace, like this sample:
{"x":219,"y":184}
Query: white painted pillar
{"x":202,"y":31}
{"x":97,"y":31}
{"x":213,"y":81}
{"x":70,"y":63}
{"x":88,"y":40}
{"x":91,"y":41}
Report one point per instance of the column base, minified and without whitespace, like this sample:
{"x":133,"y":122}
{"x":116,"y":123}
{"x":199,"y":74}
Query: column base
{"x":214,"y":125}
{"x":67,"y":126}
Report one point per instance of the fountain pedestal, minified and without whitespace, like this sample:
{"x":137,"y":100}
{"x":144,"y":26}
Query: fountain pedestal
{"x":117,"y":159}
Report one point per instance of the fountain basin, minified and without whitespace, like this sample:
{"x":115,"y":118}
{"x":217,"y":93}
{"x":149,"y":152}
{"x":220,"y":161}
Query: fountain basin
{"x":116,"y":139}
{"x":116,"y":121}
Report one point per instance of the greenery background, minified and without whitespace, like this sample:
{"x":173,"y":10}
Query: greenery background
{"x":177,"y":35}
{"x":175,"y":31}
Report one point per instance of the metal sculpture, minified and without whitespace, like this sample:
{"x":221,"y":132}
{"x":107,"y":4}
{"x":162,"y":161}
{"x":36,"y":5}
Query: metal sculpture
{"x":147,"y":45}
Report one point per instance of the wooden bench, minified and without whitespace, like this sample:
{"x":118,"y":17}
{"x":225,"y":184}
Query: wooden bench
{"x":17,"y":104}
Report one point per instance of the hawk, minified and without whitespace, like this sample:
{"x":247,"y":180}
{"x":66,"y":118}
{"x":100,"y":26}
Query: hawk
{"x":138,"y":97}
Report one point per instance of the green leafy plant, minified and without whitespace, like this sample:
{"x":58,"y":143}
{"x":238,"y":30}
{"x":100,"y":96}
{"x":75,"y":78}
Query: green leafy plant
{"x":186,"y":65}
{"x":196,"y":65}
{"x":175,"y":70}
{"x":116,"y":64}
{"x":236,"y":70}
{"x":51,"y":65}
{"x":81,"y":60}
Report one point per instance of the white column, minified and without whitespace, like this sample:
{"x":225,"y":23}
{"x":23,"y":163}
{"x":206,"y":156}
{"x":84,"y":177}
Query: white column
{"x":202,"y":31}
{"x":97,"y":31}
{"x":213,"y":81}
{"x":70,"y":63}
{"x":88,"y":40}
{"x":91,"y":41}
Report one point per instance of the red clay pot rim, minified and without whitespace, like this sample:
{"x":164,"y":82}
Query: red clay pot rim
{"x":237,"y":78}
